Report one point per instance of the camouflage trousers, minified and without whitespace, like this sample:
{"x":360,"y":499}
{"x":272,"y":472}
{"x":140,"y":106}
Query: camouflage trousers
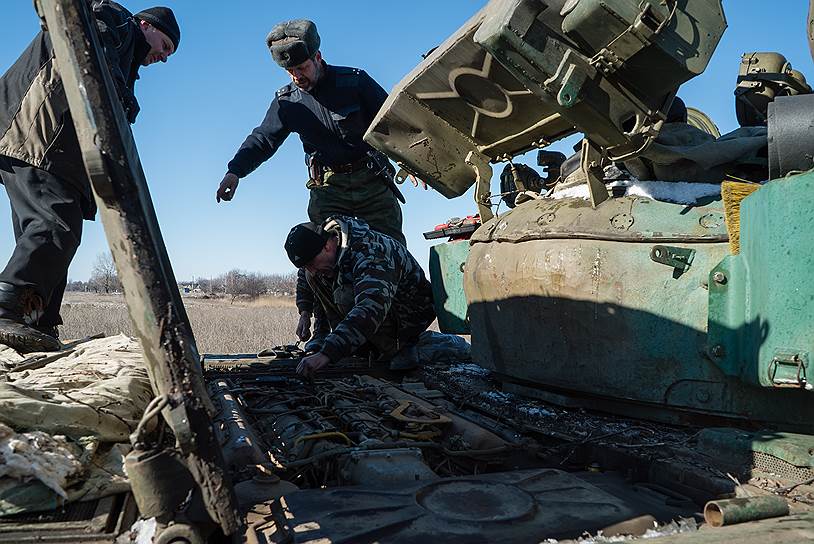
{"x":394,"y":333}
{"x":360,"y":194}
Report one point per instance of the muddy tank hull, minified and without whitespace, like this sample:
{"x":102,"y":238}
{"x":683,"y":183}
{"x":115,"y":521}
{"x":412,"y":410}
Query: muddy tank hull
{"x":609,"y":306}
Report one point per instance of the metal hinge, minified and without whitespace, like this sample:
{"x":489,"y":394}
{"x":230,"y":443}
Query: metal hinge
{"x":606,"y":61}
{"x":788,"y":369}
{"x":680,"y":258}
{"x":635,"y":38}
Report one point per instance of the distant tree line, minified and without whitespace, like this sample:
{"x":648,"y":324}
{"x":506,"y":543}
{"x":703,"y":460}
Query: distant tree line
{"x":235,"y":283}
{"x":240,"y":283}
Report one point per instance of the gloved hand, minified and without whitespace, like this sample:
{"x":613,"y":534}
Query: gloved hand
{"x":304,"y":326}
{"x":227,"y":188}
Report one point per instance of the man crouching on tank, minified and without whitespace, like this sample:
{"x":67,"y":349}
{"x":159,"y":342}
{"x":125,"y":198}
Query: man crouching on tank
{"x":373,"y":290}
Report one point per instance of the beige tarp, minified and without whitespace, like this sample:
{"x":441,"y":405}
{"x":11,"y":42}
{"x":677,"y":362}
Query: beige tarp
{"x":64,"y":428}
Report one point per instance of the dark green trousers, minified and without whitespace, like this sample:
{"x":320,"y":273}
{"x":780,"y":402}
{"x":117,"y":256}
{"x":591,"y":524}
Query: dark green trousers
{"x":359,"y":194}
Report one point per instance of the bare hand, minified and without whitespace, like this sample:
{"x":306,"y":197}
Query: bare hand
{"x":304,"y":326}
{"x":416,"y":181}
{"x":312,"y":364}
{"x":227,"y":188}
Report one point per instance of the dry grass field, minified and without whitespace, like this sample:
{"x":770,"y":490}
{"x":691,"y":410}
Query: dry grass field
{"x":219,"y":326}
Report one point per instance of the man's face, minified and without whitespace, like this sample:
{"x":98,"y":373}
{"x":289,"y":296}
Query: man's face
{"x":325,"y":261}
{"x":307,"y":74}
{"x":161,"y":45}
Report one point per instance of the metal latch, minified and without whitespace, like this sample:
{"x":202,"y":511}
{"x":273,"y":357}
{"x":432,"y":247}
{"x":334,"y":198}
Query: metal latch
{"x":636,"y":37}
{"x":680,"y":258}
{"x":788,"y":369}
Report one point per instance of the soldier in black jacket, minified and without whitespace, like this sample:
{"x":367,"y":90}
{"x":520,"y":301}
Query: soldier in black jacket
{"x":42,"y":170}
{"x":330,"y":108}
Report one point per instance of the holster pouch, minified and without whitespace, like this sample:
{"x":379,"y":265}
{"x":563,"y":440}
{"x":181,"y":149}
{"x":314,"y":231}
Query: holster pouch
{"x":316,"y":171}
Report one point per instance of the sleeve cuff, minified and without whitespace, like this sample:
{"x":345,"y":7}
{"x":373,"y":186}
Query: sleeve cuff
{"x":331,"y":351}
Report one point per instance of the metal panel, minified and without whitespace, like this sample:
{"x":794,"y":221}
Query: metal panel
{"x":511,"y":79}
{"x":761,"y":318}
{"x":601,"y":317}
{"x":132,"y":230}
{"x":790,"y":135}
{"x":460,"y":100}
{"x":525,"y":506}
{"x":446,"y":274}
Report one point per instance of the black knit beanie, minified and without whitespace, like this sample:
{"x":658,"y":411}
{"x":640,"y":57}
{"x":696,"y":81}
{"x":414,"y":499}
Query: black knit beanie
{"x":164,"y":20}
{"x":304,"y":242}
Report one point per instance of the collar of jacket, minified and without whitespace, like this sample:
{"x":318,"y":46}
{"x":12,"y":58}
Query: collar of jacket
{"x":327,"y":79}
{"x":342,"y":230}
{"x":140,"y":51}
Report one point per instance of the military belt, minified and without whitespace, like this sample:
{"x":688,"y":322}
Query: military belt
{"x":363,"y":162}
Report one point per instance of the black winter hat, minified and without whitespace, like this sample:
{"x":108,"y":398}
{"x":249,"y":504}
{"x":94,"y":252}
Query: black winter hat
{"x":164,"y":20}
{"x":304,"y":242}
{"x":293,"y":42}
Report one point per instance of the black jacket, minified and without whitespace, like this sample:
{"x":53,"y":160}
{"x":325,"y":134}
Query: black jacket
{"x":35,"y":121}
{"x":330,"y":120}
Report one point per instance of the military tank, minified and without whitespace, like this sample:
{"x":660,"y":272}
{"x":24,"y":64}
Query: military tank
{"x":633,"y":370}
{"x":590,"y":294}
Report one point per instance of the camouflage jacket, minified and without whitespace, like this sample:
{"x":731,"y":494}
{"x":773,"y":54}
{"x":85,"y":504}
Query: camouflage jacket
{"x":386,"y":283}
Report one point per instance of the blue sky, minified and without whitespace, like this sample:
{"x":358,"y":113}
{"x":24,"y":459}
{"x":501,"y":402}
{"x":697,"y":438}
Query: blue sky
{"x":198,"y":108}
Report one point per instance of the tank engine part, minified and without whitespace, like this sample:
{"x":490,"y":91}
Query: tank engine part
{"x":362,"y":430}
{"x":386,"y":467}
{"x":235,"y":435}
{"x":160,"y":481}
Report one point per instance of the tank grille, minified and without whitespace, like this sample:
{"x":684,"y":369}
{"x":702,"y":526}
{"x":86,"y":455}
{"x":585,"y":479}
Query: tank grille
{"x":775,"y":465}
{"x":78,"y":511}
{"x":95,"y":521}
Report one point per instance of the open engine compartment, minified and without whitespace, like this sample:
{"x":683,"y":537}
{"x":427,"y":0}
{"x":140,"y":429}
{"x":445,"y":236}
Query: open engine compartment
{"x":363,"y":456}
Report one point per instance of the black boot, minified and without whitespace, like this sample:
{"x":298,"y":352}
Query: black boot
{"x":15,"y":304}
{"x":50,"y":330}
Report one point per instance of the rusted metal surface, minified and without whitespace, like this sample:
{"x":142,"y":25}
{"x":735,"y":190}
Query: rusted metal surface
{"x":625,"y":219}
{"x":598,"y":319}
{"x":734,"y":511}
{"x":135,"y":240}
{"x":91,"y":522}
